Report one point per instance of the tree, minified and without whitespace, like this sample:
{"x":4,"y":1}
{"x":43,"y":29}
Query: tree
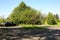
{"x":51,"y":19}
{"x":23,"y":14}
{"x":22,"y":5}
{"x":17,"y":13}
{"x":2,"y":20}
{"x":56,"y":17}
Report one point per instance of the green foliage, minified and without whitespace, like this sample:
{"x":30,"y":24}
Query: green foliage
{"x":23,"y":14}
{"x":56,"y":17}
{"x":38,"y":22}
{"x":2,"y":20}
{"x":34,"y":27}
{"x":22,"y":5}
{"x":51,"y":19}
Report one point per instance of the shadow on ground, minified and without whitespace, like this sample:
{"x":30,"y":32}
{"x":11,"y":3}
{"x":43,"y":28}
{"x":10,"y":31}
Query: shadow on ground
{"x":29,"y":34}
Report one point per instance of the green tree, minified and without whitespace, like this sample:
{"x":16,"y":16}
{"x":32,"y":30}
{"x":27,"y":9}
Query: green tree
{"x":2,"y":20}
{"x":23,"y":14}
{"x":56,"y":17}
{"x":22,"y":5}
{"x":51,"y":19}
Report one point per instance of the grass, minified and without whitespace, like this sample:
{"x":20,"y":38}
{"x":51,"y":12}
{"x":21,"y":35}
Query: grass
{"x":34,"y":27}
{"x":29,"y":26}
{"x":58,"y":23}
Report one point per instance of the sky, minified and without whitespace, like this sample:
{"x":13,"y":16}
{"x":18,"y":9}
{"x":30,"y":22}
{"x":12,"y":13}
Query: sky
{"x":45,"y":6}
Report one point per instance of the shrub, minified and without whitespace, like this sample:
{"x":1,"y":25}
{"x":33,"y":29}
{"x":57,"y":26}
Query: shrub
{"x":51,"y":19}
{"x":38,"y":23}
{"x":10,"y":24}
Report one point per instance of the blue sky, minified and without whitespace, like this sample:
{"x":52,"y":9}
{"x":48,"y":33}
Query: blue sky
{"x":45,"y":6}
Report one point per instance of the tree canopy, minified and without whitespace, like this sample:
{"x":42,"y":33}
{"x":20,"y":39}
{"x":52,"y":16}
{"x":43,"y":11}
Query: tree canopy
{"x":24,"y":15}
{"x":51,"y":19}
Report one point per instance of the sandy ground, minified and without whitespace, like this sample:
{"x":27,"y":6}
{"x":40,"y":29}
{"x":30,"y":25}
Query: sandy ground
{"x":54,"y":27}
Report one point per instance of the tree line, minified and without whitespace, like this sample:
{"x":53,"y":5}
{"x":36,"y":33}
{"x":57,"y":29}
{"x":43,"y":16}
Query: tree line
{"x":24,"y":14}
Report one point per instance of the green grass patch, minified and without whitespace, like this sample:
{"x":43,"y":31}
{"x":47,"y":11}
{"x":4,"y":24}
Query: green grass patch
{"x":34,"y":27}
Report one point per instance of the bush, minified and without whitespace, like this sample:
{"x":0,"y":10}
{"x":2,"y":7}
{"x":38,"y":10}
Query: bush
{"x":2,"y":24}
{"x":51,"y":19}
{"x":10,"y":24}
{"x":51,"y":22}
{"x":38,"y":23}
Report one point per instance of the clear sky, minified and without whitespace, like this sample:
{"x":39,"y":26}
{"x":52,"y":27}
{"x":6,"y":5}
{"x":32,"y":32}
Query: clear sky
{"x":45,"y":6}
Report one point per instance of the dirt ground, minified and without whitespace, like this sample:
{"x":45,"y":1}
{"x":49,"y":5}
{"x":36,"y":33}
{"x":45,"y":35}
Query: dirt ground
{"x":29,"y":34}
{"x":54,"y":28}
{"x":16,"y":33}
